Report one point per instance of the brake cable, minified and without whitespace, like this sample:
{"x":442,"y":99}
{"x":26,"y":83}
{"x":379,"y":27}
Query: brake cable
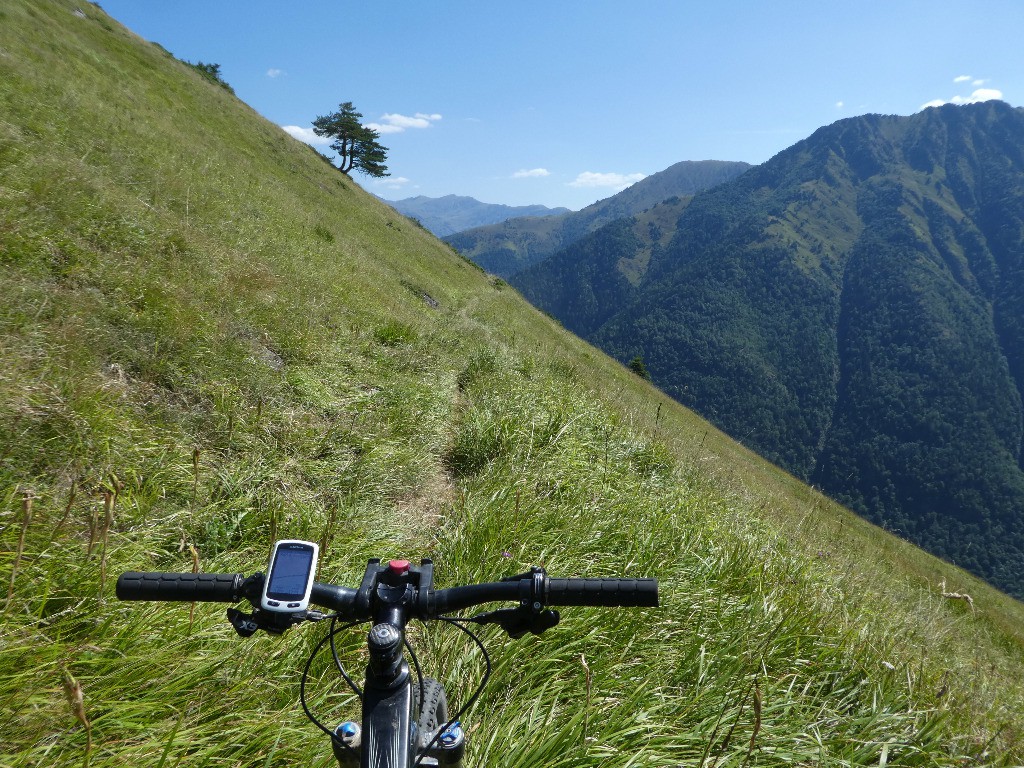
{"x":337,"y":661}
{"x":456,"y":622}
{"x":305,"y":675}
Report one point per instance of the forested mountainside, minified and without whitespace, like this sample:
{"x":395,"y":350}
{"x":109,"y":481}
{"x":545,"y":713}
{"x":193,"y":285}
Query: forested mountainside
{"x":854,"y":310}
{"x":507,"y":248}
{"x":454,"y":213}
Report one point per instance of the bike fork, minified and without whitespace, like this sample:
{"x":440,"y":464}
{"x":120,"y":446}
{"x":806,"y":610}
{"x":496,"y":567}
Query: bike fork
{"x":392,"y":738}
{"x":448,"y":750}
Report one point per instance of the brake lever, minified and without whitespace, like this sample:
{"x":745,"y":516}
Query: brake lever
{"x":518,"y":621}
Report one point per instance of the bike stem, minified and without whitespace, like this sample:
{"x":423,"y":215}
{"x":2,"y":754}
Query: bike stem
{"x":389,"y":735}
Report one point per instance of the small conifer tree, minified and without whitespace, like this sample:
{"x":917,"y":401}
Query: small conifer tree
{"x":636,"y":365}
{"x":356,"y":145}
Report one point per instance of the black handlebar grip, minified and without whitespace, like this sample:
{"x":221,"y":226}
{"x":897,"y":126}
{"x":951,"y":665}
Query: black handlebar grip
{"x":606,"y":592}
{"x":187,"y":587}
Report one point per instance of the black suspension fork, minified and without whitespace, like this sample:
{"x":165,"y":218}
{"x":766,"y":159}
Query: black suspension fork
{"x":389,"y":723}
{"x":389,"y":734}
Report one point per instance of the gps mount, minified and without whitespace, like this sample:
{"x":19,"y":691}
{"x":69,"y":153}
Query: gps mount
{"x":271,"y":622}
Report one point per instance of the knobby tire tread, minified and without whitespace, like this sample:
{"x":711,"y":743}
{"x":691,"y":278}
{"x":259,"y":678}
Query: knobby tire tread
{"x":433,"y":711}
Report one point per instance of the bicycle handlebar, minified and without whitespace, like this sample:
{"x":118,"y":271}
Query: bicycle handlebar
{"x":231,"y":587}
{"x":390,"y":595}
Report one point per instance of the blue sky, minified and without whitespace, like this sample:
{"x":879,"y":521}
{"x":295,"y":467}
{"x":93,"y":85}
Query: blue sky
{"x":564,"y":102}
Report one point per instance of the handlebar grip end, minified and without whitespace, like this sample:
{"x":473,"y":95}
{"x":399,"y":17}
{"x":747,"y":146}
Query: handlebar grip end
{"x":183,"y":587}
{"x":630,"y":593}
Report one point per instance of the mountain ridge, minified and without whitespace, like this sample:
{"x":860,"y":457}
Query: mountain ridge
{"x":758,"y":313}
{"x":454,"y":213}
{"x":508,"y":248}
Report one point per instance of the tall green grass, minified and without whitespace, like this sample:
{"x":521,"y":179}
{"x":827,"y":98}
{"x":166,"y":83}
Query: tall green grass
{"x":211,"y":339}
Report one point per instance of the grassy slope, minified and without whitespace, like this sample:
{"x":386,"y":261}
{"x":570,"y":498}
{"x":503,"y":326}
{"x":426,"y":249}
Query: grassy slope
{"x":211,"y":337}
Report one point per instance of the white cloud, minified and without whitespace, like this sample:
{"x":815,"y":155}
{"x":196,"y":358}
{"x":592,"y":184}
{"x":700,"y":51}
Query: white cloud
{"x":533,"y":173}
{"x":839,"y":105}
{"x":961,"y":79}
{"x":617,"y":181}
{"x":396,"y":123}
{"x":306,"y":135}
{"x":981,"y":94}
{"x":978,"y":83}
{"x":392,"y":182}
{"x":274,"y":72}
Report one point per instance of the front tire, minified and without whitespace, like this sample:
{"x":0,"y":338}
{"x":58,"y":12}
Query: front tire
{"x":432,"y":712}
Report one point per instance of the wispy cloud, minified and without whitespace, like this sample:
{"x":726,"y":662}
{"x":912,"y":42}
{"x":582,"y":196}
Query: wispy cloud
{"x":533,"y":173}
{"x":389,"y":123}
{"x":392,"y":182}
{"x":839,"y":105}
{"x":981,"y":94}
{"x":396,"y":123}
{"x":961,"y":78}
{"x":307,"y":135}
{"x":274,"y":72}
{"x":618,"y":181}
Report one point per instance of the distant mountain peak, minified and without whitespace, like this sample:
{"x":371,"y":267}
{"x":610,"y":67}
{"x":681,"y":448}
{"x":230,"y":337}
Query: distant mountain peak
{"x":506,"y":249}
{"x":454,"y":213}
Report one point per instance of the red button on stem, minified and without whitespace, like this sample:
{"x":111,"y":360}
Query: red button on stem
{"x":399,"y":567}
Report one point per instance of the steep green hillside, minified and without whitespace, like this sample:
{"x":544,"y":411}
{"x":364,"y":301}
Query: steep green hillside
{"x":512,"y":246}
{"x":851,"y":309}
{"x":211,"y":339}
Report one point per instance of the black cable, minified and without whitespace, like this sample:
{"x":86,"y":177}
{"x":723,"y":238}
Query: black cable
{"x":419,"y":672}
{"x":329,"y":639}
{"x":337,"y":660}
{"x":302,"y":684}
{"x":305,"y":676}
{"x":456,"y":622}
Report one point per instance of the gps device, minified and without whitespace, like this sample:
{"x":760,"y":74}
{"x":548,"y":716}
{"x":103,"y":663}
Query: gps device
{"x":290,"y":576}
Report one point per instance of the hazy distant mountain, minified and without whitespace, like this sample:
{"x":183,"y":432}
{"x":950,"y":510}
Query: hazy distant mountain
{"x":507,"y":248}
{"x":854,"y":310}
{"x":453,"y":213}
